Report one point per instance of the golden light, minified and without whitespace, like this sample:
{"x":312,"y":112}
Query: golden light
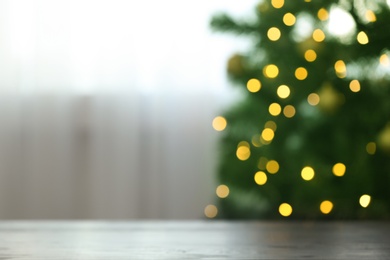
{"x":340,"y":68}
{"x":384,"y":60}
{"x":289,"y":19}
{"x":273,"y":34}
{"x":313,"y":99}
{"x":270,"y":124}
{"x":260,"y":178}
{"x":362,"y":38}
{"x":243,"y":143}
{"x":307,"y":173}
{"x":339,"y":169}
{"x":253,"y":85}
{"x":219,"y":123}
{"x":222,"y":191}
{"x":268,"y":134}
{"x":275,"y":109}
{"x":256,"y":140}
{"x":370,"y":16}
{"x":322,"y":14}
{"x":262,"y":163}
{"x":301,"y":73}
{"x":272,"y":166}
{"x":289,"y":111}
{"x":243,"y":153}
{"x":271,"y":71}
{"x":318,"y":35}
{"x":210,"y":211}
{"x":326,"y":206}
{"x":310,"y":55}
{"x":354,"y":85}
{"x":371,"y":148}
{"x":283,"y":91}
{"x":277,"y":3}
{"x":365,"y":200}
{"x":285,"y":209}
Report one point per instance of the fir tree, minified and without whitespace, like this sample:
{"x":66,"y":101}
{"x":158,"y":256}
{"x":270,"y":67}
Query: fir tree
{"x":311,"y":138}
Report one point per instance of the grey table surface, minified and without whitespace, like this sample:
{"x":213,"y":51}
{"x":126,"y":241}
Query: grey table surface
{"x":193,"y":240}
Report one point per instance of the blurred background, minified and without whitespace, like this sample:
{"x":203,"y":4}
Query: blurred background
{"x":106,"y":107}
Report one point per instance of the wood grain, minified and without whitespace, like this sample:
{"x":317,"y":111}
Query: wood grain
{"x":41,"y":240}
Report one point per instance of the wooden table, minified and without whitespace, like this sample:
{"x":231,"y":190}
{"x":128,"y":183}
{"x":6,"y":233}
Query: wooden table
{"x":69,"y":240}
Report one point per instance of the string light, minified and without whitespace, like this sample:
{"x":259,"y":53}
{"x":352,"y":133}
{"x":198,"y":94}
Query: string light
{"x":222,"y":191}
{"x":270,"y":124}
{"x":283,"y":91}
{"x":362,"y":38}
{"x":318,"y":35}
{"x":243,"y":152}
{"x":384,"y":60}
{"x":354,"y":85}
{"x":272,"y":166}
{"x":275,"y":109}
{"x":285,"y":209}
{"x":301,"y":73}
{"x":310,"y":55}
{"x":277,"y":3}
{"x":219,"y":123}
{"x":326,"y":206}
{"x":370,"y":16}
{"x":271,"y":71}
{"x":371,"y":148}
{"x":273,"y":34}
{"x":210,"y":211}
{"x":253,"y":85}
{"x":340,"y":68}
{"x":260,"y":178}
{"x":289,"y":111}
{"x":339,"y":169}
{"x":256,"y":140}
{"x":322,"y":14}
{"x":307,"y":173}
{"x":289,"y":19}
{"x":365,"y":200}
{"x":262,"y":163}
{"x":313,"y":99}
{"x":267,"y":134}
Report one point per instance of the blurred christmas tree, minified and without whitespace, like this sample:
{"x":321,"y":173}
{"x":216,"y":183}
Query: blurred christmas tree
{"x":311,"y":137}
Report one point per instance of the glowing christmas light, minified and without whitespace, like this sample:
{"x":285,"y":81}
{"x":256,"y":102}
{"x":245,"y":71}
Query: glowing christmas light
{"x":273,"y":34}
{"x":301,"y":73}
{"x":271,"y":71}
{"x":289,"y":19}
{"x":277,"y":3}
{"x":268,"y":134}
{"x":318,"y":35}
{"x":210,"y":211}
{"x":260,"y":178}
{"x":310,"y":55}
{"x":253,"y":85}
{"x":289,"y":111}
{"x":222,"y":191}
{"x":270,"y":124}
{"x":272,"y":166}
{"x":275,"y":109}
{"x":326,"y":206}
{"x":354,"y":85}
{"x":283,"y":91}
{"x":322,"y":14}
{"x":339,"y":169}
{"x":285,"y":209}
{"x":307,"y":173}
{"x":362,"y":38}
{"x":370,"y":16}
{"x":313,"y":99}
{"x":219,"y":123}
{"x":365,"y":200}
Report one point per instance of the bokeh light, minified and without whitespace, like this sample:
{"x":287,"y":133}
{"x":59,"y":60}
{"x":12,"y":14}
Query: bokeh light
{"x":289,"y":111}
{"x":270,"y":124}
{"x":362,"y":38}
{"x":219,"y":123}
{"x":253,"y":85}
{"x":283,"y":91}
{"x":318,"y":35}
{"x":277,"y":3}
{"x":326,"y":206}
{"x":365,"y":200}
{"x":275,"y":109}
{"x":371,"y":148}
{"x":289,"y":19}
{"x":260,"y":178}
{"x":310,"y":55}
{"x":268,"y":134}
{"x":370,"y":16}
{"x":271,"y":71}
{"x":340,"y":68}
{"x":273,"y":34}
{"x":272,"y":166}
{"x":322,"y":14}
{"x":354,"y":85}
{"x":384,"y":60}
{"x":285,"y":209}
{"x":313,"y":99}
{"x":339,"y":169}
{"x":307,"y":173}
{"x":210,"y":211}
{"x":301,"y":73}
{"x":243,"y":152}
{"x":222,"y":191}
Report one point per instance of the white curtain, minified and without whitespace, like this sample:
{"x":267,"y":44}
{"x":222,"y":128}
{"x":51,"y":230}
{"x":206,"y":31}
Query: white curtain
{"x":106,"y":107}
